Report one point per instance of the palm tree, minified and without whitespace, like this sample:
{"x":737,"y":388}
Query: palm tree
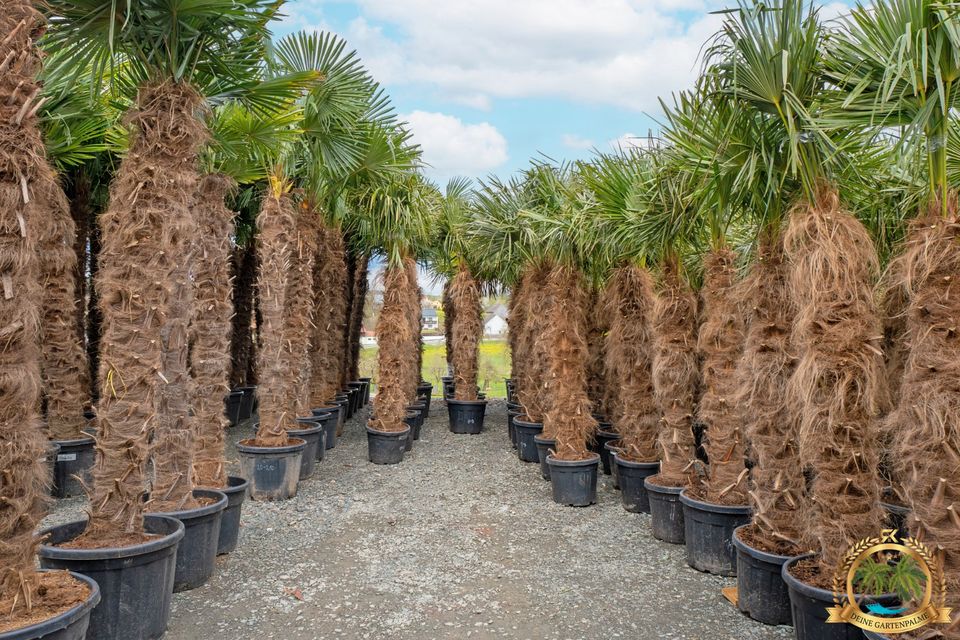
{"x":896,"y":67}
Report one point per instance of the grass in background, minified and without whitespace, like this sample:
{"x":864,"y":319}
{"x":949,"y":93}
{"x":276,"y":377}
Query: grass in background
{"x":494,"y":366}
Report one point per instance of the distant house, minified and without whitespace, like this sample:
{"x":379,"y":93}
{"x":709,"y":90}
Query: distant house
{"x":495,"y":320}
{"x":429,"y":318}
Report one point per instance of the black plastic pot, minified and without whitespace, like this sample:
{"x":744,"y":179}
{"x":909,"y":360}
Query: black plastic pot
{"x":614,"y":448}
{"x":511,"y":427}
{"x":411,"y":420}
{"x":69,"y":625}
{"x":344,"y":396}
{"x":366,"y":389}
{"x":761,"y":592}
{"x":666,"y":511}
{"x":50,"y":460}
{"x":232,"y":406}
{"x":197,"y":552}
{"x":329,"y":417}
{"x":236,"y":492}
{"x":630,"y":476}
{"x":708,"y":534}
{"x":808,"y":606}
{"x":273,"y":472}
{"x":544,"y":447}
{"x":425,"y":394}
{"x":314,"y":434}
{"x":343,"y":403}
{"x":386,"y":447}
{"x":357,"y":386}
{"x":246,"y":403}
{"x":466,"y":416}
{"x":526,"y":447}
{"x":136,"y":582}
{"x":420,"y":408}
{"x":73,"y":463}
{"x":574,"y":481}
{"x":602,"y":438}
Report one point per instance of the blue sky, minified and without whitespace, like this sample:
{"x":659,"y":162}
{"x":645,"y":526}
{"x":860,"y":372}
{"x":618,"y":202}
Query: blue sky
{"x":488,"y":84}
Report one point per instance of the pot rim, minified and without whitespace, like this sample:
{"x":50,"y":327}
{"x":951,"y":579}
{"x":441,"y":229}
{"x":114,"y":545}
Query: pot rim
{"x":525,"y":424}
{"x":659,"y":488}
{"x":74,"y":442}
{"x":309,"y":431}
{"x":204,"y":510}
{"x":710,"y":507}
{"x":389,"y":434}
{"x":613,"y":435}
{"x":253,"y":449}
{"x":759,"y":554}
{"x":593,"y":460}
{"x":468,"y":402}
{"x":112,"y":553}
{"x":631,"y":463}
{"x":540,"y":439}
{"x":62,"y":620}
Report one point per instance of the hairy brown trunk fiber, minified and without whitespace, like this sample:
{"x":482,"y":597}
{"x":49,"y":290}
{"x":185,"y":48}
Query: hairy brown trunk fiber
{"x":675,"y":376}
{"x":277,"y":225}
{"x":568,"y":417}
{"x":63,"y":363}
{"x":241,"y":335}
{"x":26,"y":181}
{"x":210,"y":328}
{"x":94,"y":317}
{"x":838,"y":389}
{"x":449,"y":317}
{"x":720,"y":343}
{"x":515,"y":320}
{"x":150,"y":197}
{"x":327,"y":338}
{"x":298,"y":315}
{"x":466,"y":333}
{"x":349,"y":292}
{"x":81,"y":211}
{"x":339,"y":308}
{"x":416,"y":344}
{"x":629,"y":358}
{"x":360,"y":286}
{"x":598,"y":322}
{"x":778,"y":495}
{"x":393,"y":356}
{"x":534,"y":386}
{"x":927,"y":416}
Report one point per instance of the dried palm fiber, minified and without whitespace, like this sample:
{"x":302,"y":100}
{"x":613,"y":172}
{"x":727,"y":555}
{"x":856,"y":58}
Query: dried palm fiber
{"x":360,"y":285}
{"x":81,"y":211}
{"x":928,"y":416}
{"x":324,"y":367}
{"x":172,"y":449}
{"x":277,"y":224}
{"x":568,"y":417}
{"x":415,"y":347}
{"x":24,"y":174}
{"x":210,"y":327}
{"x":778,"y":494}
{"x":609,"y":384}
{"x":720,"y":343}
{"x":675,"y":375}
{"x":466,"y":333}
{"x":393,"y":356}
{"x":298,"y":314}
{"x":94,"y":316}
{"x":534,"y":385}
{"x":241,"y":335}
{"x":893,"y":305}
{"x":150,"y":197}
{"x":597,"y":327}
{"x":629,"y":357}
{"x":838,"y":389}
{"x":517,"y":305}
{"x":351,"y":262}
{"x":63,"y":364}
{"x":449,"y":317}
{"x":336,"y":250}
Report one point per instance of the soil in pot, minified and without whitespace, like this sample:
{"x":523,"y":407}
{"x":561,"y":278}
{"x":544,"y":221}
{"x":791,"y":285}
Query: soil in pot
{"x":708,"y":533}
{"x":386,"y":447}
{"x":236,"y":492}
{"x":761,"y":592}
{"x":666,"y":511}
{"x":61,"y":613}
{"x":466,"y":416}
{"x":630,"y":476}
{"x":526,"y":447}
{"x":545,"y":446}
{"x":574,"y":482}
{"x":273,"y":472}
{"x":197,"y":551}
{"x":136,"y":581}
{"x":72,"y":466}
{"x":314,"y":434}
{"x":602,"y":438}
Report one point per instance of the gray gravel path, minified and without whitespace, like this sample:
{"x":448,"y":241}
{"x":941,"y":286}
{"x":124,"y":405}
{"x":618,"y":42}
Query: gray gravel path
{"x":461,"y":540}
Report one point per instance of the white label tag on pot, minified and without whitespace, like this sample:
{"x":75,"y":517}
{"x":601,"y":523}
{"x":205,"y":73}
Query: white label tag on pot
{"x":66,"y":457}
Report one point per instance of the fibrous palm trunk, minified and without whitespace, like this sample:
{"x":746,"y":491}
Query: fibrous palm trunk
{"x":150,"y":195}
{"x":778,"y":496}
{"x":598,"y":325}
{"x":81,"y":210}
{"x":394,"y":365}
{"x":568,"y":416}
{"x":466,"y":333}
{"x":210,"y":328}
{"x":356,"y":314}
{"x":534,"y":384}
{"x":24,"y":176}
{"x":241,"y":336}
{"x":339,"y":309}
{"x":720,"y":344}
{"x":326,"y":342}
{"x":515,"y":321}
{"x":94,"y":316}
{"x":927,"y":416}
{"x":449,"y":318}
{"x":277,"y":224}
{"x":629,"y":357}
{"x":675,"y":376}
{"x":298,"y":315}
{"x":414,"y":296}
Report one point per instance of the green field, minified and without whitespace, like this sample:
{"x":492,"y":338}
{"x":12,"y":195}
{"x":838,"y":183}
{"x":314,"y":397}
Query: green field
{"x":494,"y":366}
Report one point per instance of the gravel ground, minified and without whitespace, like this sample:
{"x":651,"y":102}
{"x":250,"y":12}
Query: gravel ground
{"x":460,"y":540}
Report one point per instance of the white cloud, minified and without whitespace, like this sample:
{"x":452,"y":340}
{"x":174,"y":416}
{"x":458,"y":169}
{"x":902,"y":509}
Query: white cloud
{"x":574,"y":141}
{"x":452,"y":147}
